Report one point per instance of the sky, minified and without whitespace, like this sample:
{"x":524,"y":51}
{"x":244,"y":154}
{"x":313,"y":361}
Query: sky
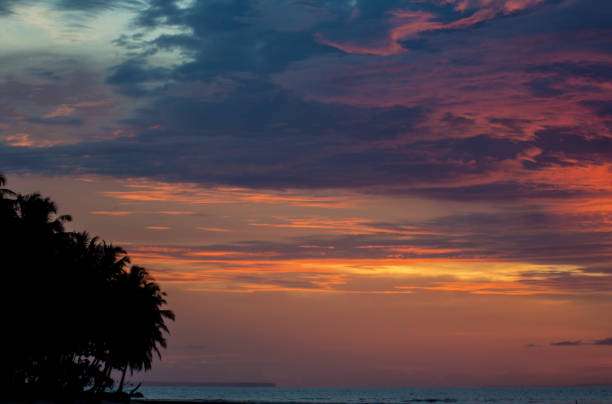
{"x":335,"y":192}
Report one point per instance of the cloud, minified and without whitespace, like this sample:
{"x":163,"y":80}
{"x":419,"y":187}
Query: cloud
{"x":65,"y":104}
{"x":112,"y":213}
{"x":548,"y":249}
{"x":57,"y":120}
{"x":563,"y":144}
{"x":5,"y":8}
{"x":131,"y":76}
{"x":394,"y":27}
{"x":192,"y":194}
{"x":544,"y":87}
{"x":605,"y":341}
{"x":96,"y":5}
{"x":601,"y":108}
{"x":470,"y":168}
{"x":214,"y":229}
{"x":383,"y":257}
{"x":90,"y":6}
{"x":247,"y":100}
{"x":229,"y":36}
{"x":567,"y":343}
{"x":596,"y":71}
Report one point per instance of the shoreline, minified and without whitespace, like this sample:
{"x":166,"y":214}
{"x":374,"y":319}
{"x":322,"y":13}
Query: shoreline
{"x":175,"y":401}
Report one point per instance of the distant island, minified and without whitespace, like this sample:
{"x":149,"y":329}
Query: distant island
{"x":210,"y":384}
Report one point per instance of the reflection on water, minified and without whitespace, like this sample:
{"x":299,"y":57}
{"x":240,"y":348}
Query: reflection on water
{"x":531,"y":395}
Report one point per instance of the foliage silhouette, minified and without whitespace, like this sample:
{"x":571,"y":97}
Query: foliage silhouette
{"x":74,"y":308}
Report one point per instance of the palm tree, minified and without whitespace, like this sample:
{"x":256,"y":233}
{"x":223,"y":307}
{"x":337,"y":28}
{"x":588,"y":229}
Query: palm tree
{"x":110,"y":268}
{"x":34,"y":210}
{"x":143,"y":320}
{"x":76,"y":311}
{"x":6,"y":205}
{"x":113,"y":261}
{"x":32,"y":239}
{"x":3,"y":191}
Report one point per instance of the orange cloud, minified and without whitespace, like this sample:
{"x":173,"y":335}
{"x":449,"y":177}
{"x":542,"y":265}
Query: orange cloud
{"x":174,"y":212}
{"x":239,"y":254}
{"x":65,"y":110}
{"x":26,"y":140}
{"x":214,"y":229}
{"x":189,"y":193}
{"x":344,"y":225}
{"x":271,"y":271}
{"x":491,"y":288}
{"x":60,"y":111}
{"x":111,"y":213}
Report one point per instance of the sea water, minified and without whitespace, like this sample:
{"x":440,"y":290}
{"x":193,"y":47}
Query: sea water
{"x":531,"y":395}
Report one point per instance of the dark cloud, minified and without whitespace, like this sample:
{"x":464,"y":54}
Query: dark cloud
{"x":457,"y":120}
{"x":279,"y":141}
{"x":225,"y":36}
{"x":63,"y":81}
{"x":571,"y":281}
{"x":59,"y":120}
{"x":215,"y":116}
{"x":497,"y":191}
{"x":131,"y":76}
{"x":209,"y":16}
{"x":605,"y":341}
{"x":5,"y":7}
{"x":601,"y":108}
{"x":96,"y":5}
{"x":600,"y":269}
{"x":256,"y":108}
{"x":482,"y":148}
{"x":544,"y":87}
{"x":567,"y":343}
{"x":420,"y":44}
{"x":514,"y":124}
{"x":132,"y":71}
{"x":570,"y":142}
{"x":367,"y":24}
{"x":558,"y":17}
{"x":601,"y":72}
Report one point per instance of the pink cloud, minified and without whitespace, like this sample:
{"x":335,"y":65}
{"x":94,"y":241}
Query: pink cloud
{"x":26,"y":140}
{"x":407,"y":24}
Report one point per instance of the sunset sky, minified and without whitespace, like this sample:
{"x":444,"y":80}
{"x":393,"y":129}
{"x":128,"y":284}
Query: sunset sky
{"x":335,"y":192}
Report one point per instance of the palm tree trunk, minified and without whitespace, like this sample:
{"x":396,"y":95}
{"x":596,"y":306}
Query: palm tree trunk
{"x":98,"y":383}
{"x":120,"y":388}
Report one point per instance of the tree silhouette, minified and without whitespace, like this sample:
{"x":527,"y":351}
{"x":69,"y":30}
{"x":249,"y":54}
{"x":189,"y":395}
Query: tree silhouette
{"x":78,"y":310}
{"x":143,"y":320}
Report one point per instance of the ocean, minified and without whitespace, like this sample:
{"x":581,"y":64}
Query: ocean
{"x":506,"y":395}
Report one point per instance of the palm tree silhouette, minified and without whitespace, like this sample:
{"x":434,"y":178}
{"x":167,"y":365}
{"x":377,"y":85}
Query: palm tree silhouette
{"x":78,"y":310}
{"x":37,"y":214}
{"x":6,"y":204}
{"x":37,"y":285}
{"x":143,"y":320}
